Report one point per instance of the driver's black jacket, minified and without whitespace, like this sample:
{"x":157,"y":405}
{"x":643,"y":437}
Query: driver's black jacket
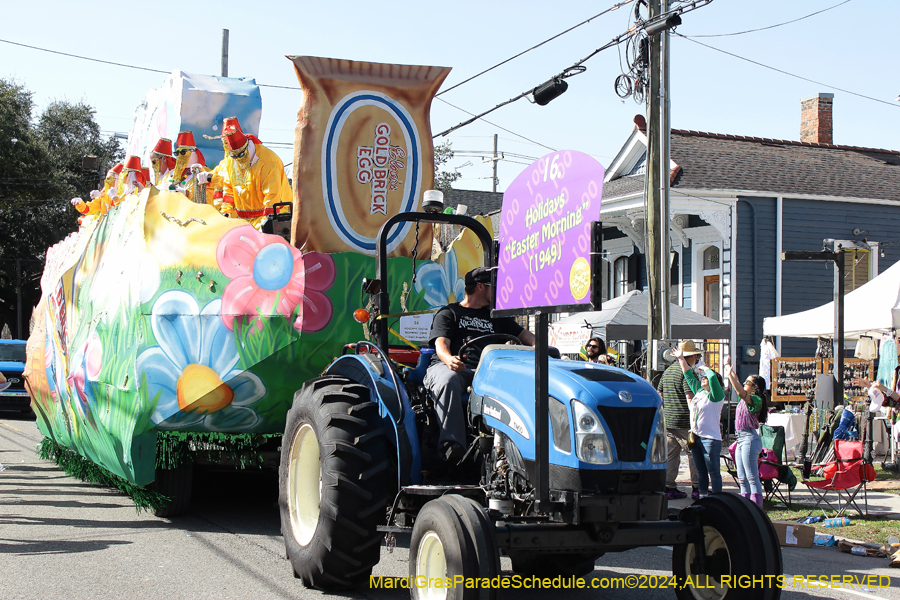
{"x":459,"y":324}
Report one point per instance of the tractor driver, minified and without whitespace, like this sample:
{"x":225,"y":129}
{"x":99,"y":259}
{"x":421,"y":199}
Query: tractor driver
{"x":448,"y":376}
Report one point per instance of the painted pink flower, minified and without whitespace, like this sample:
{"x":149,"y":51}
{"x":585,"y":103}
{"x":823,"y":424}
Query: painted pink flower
{"x":267,"y":276}
{"x":317,"y":310}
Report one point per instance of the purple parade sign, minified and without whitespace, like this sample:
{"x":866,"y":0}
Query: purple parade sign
{"x":545,"y":232}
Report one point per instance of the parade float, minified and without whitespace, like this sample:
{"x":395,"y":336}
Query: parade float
{"x":165,"y":326}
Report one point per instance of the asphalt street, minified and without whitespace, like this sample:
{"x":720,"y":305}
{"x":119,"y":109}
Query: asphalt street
{"x":62,"y":538}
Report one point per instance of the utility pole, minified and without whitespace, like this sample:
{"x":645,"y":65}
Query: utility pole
{"x":224,"y":53}
{"x":657,"y":184}
{"x":494,"y":160}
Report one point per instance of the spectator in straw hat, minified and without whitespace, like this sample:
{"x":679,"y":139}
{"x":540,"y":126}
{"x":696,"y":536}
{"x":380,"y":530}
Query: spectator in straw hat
{"x":675,"y":392}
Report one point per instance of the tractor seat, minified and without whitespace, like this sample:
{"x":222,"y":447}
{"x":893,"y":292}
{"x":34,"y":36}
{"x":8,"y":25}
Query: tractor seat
{"x":417,"y":374}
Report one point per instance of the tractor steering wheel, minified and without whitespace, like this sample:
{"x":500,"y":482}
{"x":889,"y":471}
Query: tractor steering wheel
{"x":469,"y":352}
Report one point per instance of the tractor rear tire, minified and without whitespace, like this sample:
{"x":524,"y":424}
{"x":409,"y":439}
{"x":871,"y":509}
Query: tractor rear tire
{"x":333,"y":484}
{"x":739,"y":540}
{"x":176,"y":485}
{"x":449,"y":540}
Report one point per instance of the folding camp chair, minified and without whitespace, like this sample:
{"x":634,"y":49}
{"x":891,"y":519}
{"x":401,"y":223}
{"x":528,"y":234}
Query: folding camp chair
{"x":773,"y":465}
{"x":773,"y":468}
{"x":846,"y":476}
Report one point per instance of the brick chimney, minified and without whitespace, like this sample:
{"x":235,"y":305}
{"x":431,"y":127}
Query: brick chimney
{"x":815,"y":119}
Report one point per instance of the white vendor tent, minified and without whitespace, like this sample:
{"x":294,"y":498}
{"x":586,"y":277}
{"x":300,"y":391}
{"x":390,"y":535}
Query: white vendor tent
{"x":872,"y":309}
{"x":625,"y":318}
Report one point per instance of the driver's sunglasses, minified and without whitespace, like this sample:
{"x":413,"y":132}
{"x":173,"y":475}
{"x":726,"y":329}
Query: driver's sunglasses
{"x":239,"y":154}
{"x":593,"y":346}
{"x":182,"y":152}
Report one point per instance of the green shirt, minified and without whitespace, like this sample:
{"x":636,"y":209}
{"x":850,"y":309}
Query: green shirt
{"x":672,"y":389}
{"x":716,"y":393}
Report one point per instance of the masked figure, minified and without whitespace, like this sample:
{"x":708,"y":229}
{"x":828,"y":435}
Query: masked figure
{"x":102,"y":200}
{"x":254,"y":175}
{"x":131,"y":179}
{"x":189,"y":163}
{"x":163,"y":162}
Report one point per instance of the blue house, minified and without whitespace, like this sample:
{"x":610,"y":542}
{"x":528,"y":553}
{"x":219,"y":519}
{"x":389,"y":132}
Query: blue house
{"x":737,"y":203}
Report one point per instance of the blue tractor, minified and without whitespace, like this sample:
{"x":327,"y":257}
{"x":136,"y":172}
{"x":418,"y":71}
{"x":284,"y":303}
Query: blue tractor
{"x":553,"y":479}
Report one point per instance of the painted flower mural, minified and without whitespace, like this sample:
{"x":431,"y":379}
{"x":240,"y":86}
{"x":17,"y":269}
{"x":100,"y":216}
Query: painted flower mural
{"x":319,"y":275}
{"x":86,"y":365}
{"x":441,"y":282}
{"x":267,"y":276}
{"x":191,"y":374}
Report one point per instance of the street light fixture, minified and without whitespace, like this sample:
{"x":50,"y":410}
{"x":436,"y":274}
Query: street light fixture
{"x":549,"y":90}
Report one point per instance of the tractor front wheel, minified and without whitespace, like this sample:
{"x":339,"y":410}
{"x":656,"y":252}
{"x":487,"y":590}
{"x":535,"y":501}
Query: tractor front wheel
{"x":452,"y":538}
{"x":739,"y":544}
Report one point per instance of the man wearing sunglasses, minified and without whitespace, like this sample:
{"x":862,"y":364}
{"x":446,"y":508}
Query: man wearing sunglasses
{"x":255,"y":179}
{"x":190,"y":170}
{"x":448,"y":375}
{"x":595,"y":350}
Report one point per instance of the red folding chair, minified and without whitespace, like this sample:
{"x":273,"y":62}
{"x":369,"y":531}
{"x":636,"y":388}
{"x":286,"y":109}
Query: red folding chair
{"x":845,"y":476}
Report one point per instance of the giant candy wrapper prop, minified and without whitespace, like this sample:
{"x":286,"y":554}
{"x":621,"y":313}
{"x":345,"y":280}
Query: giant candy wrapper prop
{"x":163,"y":315}
{"x":373,"y":118}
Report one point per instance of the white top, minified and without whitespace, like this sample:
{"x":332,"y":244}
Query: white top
{"x":705,"y":413}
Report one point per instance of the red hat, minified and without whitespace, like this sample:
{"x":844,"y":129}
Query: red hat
{"x":117,"y":168}
{"x":234,"y":136}
{"x":133,"y":164}
{"x":163,"y":147}
{"x":185,"y":139}
{"x":145,"y":172}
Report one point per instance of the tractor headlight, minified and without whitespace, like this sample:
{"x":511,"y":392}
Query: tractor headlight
{"x":591,"y":438}
{"x":658,"y":454}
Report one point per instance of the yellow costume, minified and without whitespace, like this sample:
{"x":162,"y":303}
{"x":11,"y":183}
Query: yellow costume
{"x":217,"y":184}
{"x":253,"y":191}
{"x":255,"y":176}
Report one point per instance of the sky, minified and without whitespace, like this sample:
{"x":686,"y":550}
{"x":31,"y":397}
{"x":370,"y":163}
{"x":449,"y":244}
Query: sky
{"x":844,"y":51}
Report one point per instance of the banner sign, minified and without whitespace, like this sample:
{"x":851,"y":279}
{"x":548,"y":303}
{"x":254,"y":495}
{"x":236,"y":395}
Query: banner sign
{"x":545,"y":233}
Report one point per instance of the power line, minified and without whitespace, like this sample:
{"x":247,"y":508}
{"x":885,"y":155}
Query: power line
{"x":773,"y":26}
{"x":615,"y":7}
{"x":116,"y":64}
{"x":259,"y":84}
{"x":107,"y":62}
{"x":834,"y":87}
{"x":578,"y":67}
{"x":498,"y":127}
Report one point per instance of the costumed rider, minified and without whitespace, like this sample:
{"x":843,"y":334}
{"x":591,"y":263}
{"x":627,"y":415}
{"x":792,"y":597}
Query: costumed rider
{"x":163,"y":162}
{"x":216,"y":179}
{"x":131,"y":179}
{"x":448,"y":376}
{"x":255,"y":179}
{"x":101,"y":200}
{"x":189,"y":165}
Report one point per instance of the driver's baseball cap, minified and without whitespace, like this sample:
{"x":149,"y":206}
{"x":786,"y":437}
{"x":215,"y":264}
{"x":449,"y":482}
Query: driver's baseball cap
{"x":479,"y":275}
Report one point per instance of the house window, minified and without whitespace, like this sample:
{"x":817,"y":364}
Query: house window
{"x":674,"y":277}
{"x":710,"y":258}
{"x":620,"y":276}
{"x":856,"y":269}
{"x":709,"y":279}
